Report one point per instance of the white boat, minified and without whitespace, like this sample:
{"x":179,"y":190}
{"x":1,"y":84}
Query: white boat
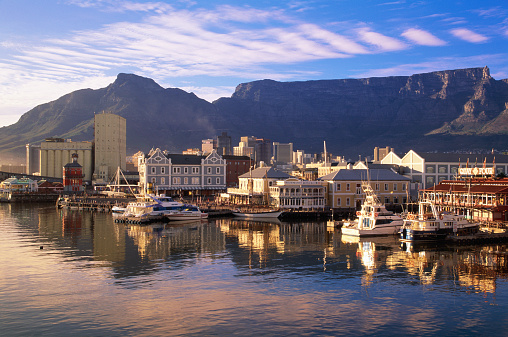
{"x":153,"y":205}
{"x":261,"y":214}
{"x":373,"y":218}
{"x":118,"y":209}
{"x":185,"y":213}
{"x":430,"y":224}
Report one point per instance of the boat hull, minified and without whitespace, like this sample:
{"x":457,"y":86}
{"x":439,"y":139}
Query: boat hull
{"x":271,"y":214}
{"x":186,"y":217}
{"x":377,"y":231}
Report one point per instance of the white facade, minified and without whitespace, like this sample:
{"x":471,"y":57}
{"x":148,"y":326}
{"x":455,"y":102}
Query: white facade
{"x":170,"y":172}
{"x":298,"y":194}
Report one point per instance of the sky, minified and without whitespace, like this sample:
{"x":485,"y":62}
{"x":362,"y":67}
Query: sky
{"x":53,"y":47}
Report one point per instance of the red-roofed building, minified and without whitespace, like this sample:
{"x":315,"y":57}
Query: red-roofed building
{"x":478,"y":198}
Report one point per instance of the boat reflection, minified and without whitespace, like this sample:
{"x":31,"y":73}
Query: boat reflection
{"x":95,"y":240}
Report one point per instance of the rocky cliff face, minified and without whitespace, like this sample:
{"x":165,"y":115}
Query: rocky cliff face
{"x":434,"y":111}
{"x":445,"y":110}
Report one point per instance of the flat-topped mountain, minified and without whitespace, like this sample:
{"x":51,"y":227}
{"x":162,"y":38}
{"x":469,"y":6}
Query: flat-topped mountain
{"x":444,"y":111}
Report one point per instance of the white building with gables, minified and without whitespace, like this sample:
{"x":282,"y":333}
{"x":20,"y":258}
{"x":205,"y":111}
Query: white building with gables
{"x":162,"y":172}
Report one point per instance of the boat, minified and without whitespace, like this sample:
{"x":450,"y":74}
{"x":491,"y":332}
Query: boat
{"x":260,"y":214}
{"x":429,"y":224}
{"x":373,"y":218}
{"x":185,"y":213}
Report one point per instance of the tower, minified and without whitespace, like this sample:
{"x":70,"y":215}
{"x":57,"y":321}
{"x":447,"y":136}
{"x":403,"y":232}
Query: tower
{"x":110,"y":138}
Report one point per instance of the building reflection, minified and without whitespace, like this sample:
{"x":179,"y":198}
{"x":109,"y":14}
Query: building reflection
{"x":275,"y":247}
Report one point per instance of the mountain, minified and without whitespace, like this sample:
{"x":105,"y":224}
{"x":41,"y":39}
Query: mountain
{"x":166,"y":118}
{"x":447,"y":110}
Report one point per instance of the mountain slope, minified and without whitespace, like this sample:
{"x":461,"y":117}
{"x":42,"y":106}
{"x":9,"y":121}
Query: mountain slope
{"x":445,"y":110}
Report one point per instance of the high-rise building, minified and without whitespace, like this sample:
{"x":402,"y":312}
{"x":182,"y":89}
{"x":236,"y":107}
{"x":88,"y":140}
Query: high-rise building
{"x":207,"y":146}
{"x":110,"y":145}
{"x":282,"y":153}
{"x":224,"y":144}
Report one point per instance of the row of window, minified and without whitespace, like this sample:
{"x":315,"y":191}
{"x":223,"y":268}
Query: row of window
{"x":376,"y":187}
{"x":386,"y":201}
{"x":455,"y":168}
{"x":178,"y":181}
{"x":178,"y":170}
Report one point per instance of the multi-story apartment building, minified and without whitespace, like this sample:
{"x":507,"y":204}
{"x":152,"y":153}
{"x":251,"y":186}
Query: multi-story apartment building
{"x":235,"y":167}
{"x":183,"y":174}
{"x":345,"y":191}
{"x":429,"y":169}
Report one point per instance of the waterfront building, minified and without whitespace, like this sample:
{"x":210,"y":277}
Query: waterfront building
{"x":428,"y":169}
{"x":344,"y":187}
{"x":298,"y":194}
{"x":73,"y":176}
{"x":56,"y":152}
{"x":182,"y":174}
{"x":16,"y":169}
{"x":110,"y":137}
{"x":15,"y":184}
{"x":254,"y":186}
{"x":45,"y":186}
{"x":477,"y":198}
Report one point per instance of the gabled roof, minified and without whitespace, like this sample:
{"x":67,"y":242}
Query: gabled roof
{"x":266,"y":172}
{"x":361,"y":175}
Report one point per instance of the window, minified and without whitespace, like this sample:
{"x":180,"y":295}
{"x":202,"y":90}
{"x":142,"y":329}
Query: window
{"x":154,"y":180}
{"x":176,"y":181}
{"x":209,"y":181}
{"x":395,"y":200}
{"x":347,"y":187}
{"x":394,"y":186}
{"x":209,"y":170}
{"x":403,"y":187}
{"x":347,"y":201}
{"x":217,"y":181}
{"x":338,"y":202}
{"x":195,"y":181}
{"x":386,"y":187}
{"x":195,"y":170}
{"x":153,"y":170}
{"x":186,"y":181}
{"x":387,"y":200}
{"x":337,"y":187}
{"x":429,"y":181}
{"x":185,"y":170}
{"x":163,"y":170}
{"x":442,"y":169}
{"x":430,"y":168}
{"x":176,"y":170}
{"x":377,"y":187}
{"x":163,"y":181}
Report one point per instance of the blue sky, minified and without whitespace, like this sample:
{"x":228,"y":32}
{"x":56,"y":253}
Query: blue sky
{"x":53,"y":47}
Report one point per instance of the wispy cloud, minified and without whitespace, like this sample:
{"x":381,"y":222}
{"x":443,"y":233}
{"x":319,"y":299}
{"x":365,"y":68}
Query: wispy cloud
{"x":468,"y":35}
{"x":422,"y":37}
{"x":383,"y":42}
{"x":441,"y":63}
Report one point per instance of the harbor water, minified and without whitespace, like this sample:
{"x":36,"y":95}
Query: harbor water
{"x":78,"y":273}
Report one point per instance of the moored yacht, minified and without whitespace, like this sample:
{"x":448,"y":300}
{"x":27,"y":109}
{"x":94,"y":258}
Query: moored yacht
{"x":186,"y":212}
{"x":430,"y":224}
{"x":373,"y":218}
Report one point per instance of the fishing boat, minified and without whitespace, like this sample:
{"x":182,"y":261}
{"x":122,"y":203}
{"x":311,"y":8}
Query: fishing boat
{"x":259,"y":214}
{"x":429,"y":224}
{"x":373,"y":218}
{"x":185,"y":213}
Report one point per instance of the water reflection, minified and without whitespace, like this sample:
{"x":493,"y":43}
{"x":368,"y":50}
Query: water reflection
{"x":231,"y":276}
